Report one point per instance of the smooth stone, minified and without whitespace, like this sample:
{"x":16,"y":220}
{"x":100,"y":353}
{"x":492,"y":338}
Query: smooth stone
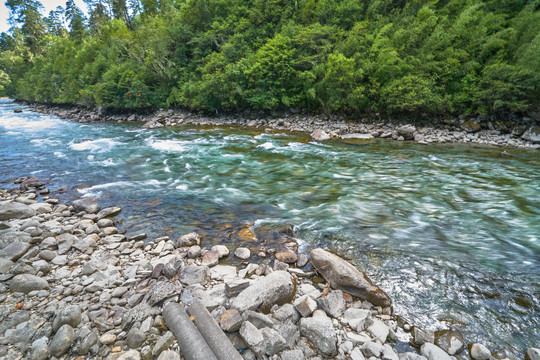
{"x":221,"y":249}
{"x":5,"y":265}
{"x":370,"y":349}
{"x":321,"y":332}
{"x":343,"y":276}
{"x":189,"y":240}
{"x":433,"y":352}
{"x":210,"y":258}
{"x":108,"y":212}
{"x":88,"y":205}
{"x":85,"y":338}
{"x":265,"y":292}
{"x":47,"y":255}
{"x":65,"y":241}
{"x":107,"y":338}
{"x":479,"y":352}
{"x":25,"y":283}
{"x":62,"y":341}
{"x":15,"y":210}
{"x":194,"y":251}
{"x":411,"y":356}
{"x":135,"y":338}
{"x":14,"y":250}
{"x":319,"y":135}
{"x":287,"y":257}
{"x":70,"y":315}
{"x":242,"y":253}
{"x":253,"y":338}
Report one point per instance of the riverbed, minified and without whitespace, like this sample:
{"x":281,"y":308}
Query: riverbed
{"x":450,"y":232}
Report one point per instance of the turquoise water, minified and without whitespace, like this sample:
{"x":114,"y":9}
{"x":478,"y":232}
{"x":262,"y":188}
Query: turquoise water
{"x":451,"y":232}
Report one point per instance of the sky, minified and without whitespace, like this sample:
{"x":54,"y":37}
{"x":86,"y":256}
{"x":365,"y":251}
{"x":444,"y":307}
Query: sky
{"x":48,"y":5}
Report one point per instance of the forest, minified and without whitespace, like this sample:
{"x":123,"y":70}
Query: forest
{"x":395,"y":57}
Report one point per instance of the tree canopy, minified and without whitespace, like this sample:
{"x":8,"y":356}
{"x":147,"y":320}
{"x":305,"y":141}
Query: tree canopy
{"x":348,"y":56}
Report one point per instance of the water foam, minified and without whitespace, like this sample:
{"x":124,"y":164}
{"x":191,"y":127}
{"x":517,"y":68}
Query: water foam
{"x":168,"y":145}
{"x":99,"y":145}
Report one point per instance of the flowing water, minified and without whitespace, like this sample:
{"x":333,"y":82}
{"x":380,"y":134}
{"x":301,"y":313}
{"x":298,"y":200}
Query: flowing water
{"x":451,"y":232}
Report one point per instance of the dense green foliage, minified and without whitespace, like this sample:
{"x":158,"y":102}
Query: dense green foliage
{"x":352,"y":56}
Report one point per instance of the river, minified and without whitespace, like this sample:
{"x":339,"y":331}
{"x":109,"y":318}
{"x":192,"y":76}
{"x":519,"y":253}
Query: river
{"x":450,"y":232}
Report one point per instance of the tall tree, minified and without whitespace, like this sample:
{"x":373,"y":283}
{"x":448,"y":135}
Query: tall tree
{"x":27,"y":13}
{"x":76,"y":20}
{"x":98,"y":14}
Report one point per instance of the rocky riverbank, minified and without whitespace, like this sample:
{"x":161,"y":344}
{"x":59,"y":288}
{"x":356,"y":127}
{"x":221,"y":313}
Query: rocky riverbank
{"x":73,"y":286}
{"x":524,"y":133}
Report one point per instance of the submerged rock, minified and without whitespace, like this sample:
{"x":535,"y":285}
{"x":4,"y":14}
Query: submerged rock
{"x":89,"y":205}
{"x":343,"y":276}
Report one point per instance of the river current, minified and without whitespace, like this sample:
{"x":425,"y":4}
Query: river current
{"x":450,"y":232}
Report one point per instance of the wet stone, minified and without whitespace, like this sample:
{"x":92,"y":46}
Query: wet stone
{"x":479,"y":352}
{"x":62,"y":341}
{"x":242,"y":253}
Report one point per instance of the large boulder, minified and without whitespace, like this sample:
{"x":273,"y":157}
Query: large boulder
{"x":89,"y":205}
{"x":15,"y":210}
{"x":25,"y":283}
{"x":276,"y":288}
{"x":343,"y":276}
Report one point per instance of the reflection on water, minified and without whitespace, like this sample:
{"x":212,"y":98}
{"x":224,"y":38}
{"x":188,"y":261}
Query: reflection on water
{"x":450,"y":232}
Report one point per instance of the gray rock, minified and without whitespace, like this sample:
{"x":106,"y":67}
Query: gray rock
{"x":479,"y":352}
{"x":253,"y":338}
{"x":162,"y":291}
{"x":231,"y":320}
{"x":135,"y":338}
{"x":14,"y":250}
{"x":286,"y":313}
{"x":242,"y":253}
{"x":194,"y":251}
{"x":356,"y":354}
{"x":342,"y":275}
{"x":319,"y":135}
{"x":15,"y":210}
{"x":379,"y":330}
{"x":193,"y":274}
{"x":450,"y":341}
{"x":130,"y":355}
{"x":39,"y":349}
{"x":221,"y":249}
{"x":411,"y":356}
{"x":25,"y":283}
{"x":5,"y":264}
{"x":65,"y":241}
{"x":305,"y":305}
{"x":47,"y":255}
{"x":163,"y":343}
{"x":407,"y":131}
{"x":276,"y":288}
{"x":70,"y":315}
{"x":389,"y":353}
{"x":89,"y":205}
{"x":235,"y":287}
{"x":259,"y":320}
{"x":62,"y":341}
{"x":189,"y":240}
{"x":532,"y":134}
{"x":370,"y":349}
{"x":533,"y":353}
{"x":292,"y":355}
{"x":320,"y":331}
{"x":433,"y":352}
{"x":333,"y":304}
{"x":84,"y":340}
{"x":422,"y":336}
{"x":108,"y":212}
{"x":273,"y":340}
{"x":169,"y":355}
{"x":210,"y":258}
